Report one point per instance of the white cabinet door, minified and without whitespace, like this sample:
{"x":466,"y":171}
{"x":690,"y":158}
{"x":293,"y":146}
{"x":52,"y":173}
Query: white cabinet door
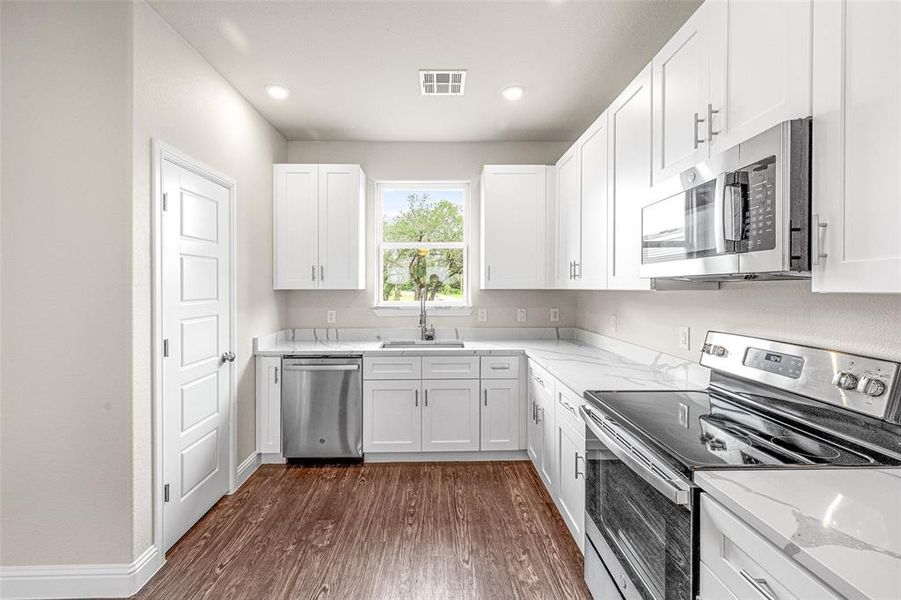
{"x":534,"y":437}
{"x":548,"y":470}
{"x":269,"y":404}
{"x":571,"y":486}
{"x":569,"y":218}
{"x":763,"y":74}
{"x":501,"y":414}
{"x":630,"y":181}
{"x":392,"y":416}
{"x":681,"y":93}
{"x":450,"y":415}
{"x":591,"y":272}
{"x":341,"y":227}
{"x":857,"y":147}
{"x":295,"y":223}
{"x":514,"y":228}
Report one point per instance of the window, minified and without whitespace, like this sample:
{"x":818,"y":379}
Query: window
{"x":422,"y":244}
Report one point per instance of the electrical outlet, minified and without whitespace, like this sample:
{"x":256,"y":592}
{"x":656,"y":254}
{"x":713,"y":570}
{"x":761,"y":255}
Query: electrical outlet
{"x":482,"y":315}
{"x":684,"y":338}
{"x":521,"y":315}
{"x":555,"y":315}
{"x":611,"y":323}
{"x":331,"y":316}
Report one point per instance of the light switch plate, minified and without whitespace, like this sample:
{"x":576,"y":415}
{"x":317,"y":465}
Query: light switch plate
{"x":685,"y":338}
{"x":520,"y":315}
{"x":555,"y":315}
{"x":331,"y":316}
{"x":482,"y":315}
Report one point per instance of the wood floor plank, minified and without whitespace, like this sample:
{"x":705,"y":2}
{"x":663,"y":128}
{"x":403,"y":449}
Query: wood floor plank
{"x":395,"y":531}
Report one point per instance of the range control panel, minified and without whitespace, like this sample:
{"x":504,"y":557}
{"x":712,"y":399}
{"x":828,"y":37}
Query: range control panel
{"x":862,"y":384}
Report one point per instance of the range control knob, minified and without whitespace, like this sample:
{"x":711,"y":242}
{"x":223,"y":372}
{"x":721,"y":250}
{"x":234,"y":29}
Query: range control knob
{"x":845,"y":380}
{"x":871,"y":386}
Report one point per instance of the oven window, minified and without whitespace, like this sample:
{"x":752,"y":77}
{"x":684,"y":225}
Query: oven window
{"x":679,"y":227}
{"x":650,"y":536}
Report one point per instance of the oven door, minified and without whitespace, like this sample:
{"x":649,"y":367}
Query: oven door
{"x":639,"y":520}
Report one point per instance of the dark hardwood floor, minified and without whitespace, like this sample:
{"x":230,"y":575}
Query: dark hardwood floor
{"x":378,"y":531}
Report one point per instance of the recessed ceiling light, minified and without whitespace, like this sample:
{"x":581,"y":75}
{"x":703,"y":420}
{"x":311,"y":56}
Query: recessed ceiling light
{"x":278,"y":92}
{"x":514,"y":92}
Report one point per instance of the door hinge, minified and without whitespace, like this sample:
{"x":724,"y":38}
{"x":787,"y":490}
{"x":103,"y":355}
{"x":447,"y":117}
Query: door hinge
{"x":165,"y":348}
{"x":166,"y":493}
{"x":165,"y":201}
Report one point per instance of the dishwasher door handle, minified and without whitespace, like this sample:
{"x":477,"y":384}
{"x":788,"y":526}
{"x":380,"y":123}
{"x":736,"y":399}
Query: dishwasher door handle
{"x":322,"y":368}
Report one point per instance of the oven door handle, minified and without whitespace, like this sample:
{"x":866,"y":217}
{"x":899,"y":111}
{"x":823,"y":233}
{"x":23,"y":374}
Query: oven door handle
{"x":676,"y":492}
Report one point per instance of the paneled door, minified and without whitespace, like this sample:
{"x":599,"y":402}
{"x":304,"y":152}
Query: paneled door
{"x":196,"y":329}
{"x":501,"y":414}
{"x":392,"y":416}
{"x":569,"y":219}
{"x":341,"y":227}
{"x":450,"y":415}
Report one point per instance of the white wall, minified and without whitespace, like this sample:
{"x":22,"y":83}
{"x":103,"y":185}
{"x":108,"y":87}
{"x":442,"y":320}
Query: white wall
{"x":387,"y":161}
{"x":782,"y":310}
{"x":180,"y":99}
{"x":65,"y":442}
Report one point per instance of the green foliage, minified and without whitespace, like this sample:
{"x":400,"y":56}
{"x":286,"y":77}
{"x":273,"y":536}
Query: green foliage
{"x":426,"y":220}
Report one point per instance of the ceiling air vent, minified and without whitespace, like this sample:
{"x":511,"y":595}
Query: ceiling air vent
{"x":442,"y":83}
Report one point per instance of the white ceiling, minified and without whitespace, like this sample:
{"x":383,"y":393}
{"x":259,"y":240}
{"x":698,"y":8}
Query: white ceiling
{"x":352,"y":67}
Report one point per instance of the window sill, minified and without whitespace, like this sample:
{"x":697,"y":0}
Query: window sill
{"x":433,"y":311}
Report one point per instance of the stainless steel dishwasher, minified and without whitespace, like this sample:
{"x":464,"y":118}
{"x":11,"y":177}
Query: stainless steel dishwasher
{"x":322,"y":407}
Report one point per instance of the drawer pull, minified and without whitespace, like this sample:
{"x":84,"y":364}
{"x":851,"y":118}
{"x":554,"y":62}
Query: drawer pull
{"x":504,"y":367}
{"x":759,"y":584}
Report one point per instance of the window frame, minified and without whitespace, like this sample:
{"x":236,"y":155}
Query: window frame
{"x":383,"y":307}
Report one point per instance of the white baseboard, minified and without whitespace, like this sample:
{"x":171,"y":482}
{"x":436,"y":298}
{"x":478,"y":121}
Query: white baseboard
{"x":474,"y":456}
{"x":245,"y":470}
{"x":80,"y":581}
{"x":271,"y":458}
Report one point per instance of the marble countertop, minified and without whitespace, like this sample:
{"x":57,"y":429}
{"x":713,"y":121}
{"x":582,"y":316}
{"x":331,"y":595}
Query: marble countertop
{"x":591,"y":362}
{"x":843,"y":525}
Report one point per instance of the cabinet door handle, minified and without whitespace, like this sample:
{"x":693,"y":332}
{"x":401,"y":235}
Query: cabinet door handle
{"x":416,"y":398}
{"x":710,"y":131}
{"x":578,"y":474}
{"x":540,"y":415}
{"x":759,"y":584}
{"x":486,"y":397}
{"x":488,"y":273}
{"x":313,"y":272}
{"x":276,"y":375}
{"x":427,"y":397}
{"x":321,"y":273}
{"x":698,"y":121}
{"x":816,"y":243}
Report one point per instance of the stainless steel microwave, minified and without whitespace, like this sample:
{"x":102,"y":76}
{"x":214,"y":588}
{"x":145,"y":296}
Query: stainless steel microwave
{"x":744,"y":214}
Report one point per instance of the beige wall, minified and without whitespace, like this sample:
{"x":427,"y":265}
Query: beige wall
{"x":65,"y":442}
{"x":387,"y":161}
{"x":783,"y":310}
{"x":181,"y":100}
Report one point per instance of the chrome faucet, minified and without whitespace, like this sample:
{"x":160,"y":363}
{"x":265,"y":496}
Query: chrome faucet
{"x":426,"y":333}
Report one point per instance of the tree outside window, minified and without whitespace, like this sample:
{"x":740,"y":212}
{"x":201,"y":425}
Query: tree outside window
{"x":423,"y":243}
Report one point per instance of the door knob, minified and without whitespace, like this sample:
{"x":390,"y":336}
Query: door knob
{"x":228,"y":357}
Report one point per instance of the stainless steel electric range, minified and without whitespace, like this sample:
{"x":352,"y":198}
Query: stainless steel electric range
{"x":769,"y":405}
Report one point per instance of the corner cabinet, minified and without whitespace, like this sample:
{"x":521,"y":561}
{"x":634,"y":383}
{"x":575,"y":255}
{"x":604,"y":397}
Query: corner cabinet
{"x":319,"y":227}
{"x":857,"y":147}
{"x":269,"y":405}
{"x":514,"y":206}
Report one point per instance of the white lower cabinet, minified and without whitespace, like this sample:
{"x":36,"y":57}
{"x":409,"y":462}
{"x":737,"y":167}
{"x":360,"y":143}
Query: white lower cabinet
{"x":392,"y":416}
{"x":269,"y":405}
{"x":570,"y":463}
{"x":501,"y":412}
{"x":450,"y":415}
{"x":534,"y":438}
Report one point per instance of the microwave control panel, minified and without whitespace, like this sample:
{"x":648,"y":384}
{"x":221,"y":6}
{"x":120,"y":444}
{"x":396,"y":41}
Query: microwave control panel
{"x":760,"y":202}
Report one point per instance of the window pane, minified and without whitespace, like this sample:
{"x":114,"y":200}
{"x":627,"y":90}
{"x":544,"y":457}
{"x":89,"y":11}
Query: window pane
{"x":422,"y":215}
{"x":406,"y":271}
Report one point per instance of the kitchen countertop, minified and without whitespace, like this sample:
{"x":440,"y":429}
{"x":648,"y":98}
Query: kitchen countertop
{"x":590,"y":363}
{"x":843,"y":525}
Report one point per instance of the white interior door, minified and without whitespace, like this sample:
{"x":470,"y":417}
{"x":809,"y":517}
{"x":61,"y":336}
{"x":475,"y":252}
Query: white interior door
{"x":196,"y":331}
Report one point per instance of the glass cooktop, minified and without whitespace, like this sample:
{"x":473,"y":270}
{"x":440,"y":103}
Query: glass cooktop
{"x":706,"y":429}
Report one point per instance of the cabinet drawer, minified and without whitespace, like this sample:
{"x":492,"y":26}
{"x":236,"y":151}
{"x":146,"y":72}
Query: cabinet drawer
{"x":566,"y":408}
{"x":450,"y":367}
{"x":541,"y":379}
{"x":748,"y":565}
{"x":392,"y":367}
{"x":711,"y":588}
{"x":500,"y":367}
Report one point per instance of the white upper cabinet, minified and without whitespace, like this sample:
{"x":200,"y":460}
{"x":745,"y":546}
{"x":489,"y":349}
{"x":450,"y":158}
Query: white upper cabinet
{"x":629,"y":181}
{"x":514,"y":227}
{"x":857,"y":147}
{"x":760,"y":72}
{"x":681,"y":83}
{"x":569,"y":218}
{"x":591,"y":269}
{"x":319,"y":214}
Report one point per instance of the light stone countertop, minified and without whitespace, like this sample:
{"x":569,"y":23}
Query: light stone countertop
{"x":843,"y":525}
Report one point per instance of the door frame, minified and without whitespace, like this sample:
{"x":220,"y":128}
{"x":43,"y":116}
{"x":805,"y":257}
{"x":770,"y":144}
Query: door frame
{"x":160,"y":152}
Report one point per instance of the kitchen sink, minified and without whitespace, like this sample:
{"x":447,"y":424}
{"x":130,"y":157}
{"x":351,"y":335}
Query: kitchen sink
{"x":423,"y":344}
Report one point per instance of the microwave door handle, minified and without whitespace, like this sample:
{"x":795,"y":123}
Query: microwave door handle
{"x":719,"y":214}
{"x":733,"y":209}
{"x":676,"y":494}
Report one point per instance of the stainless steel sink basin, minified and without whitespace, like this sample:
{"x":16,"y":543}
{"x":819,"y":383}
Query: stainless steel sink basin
{"x":423,"y":344}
